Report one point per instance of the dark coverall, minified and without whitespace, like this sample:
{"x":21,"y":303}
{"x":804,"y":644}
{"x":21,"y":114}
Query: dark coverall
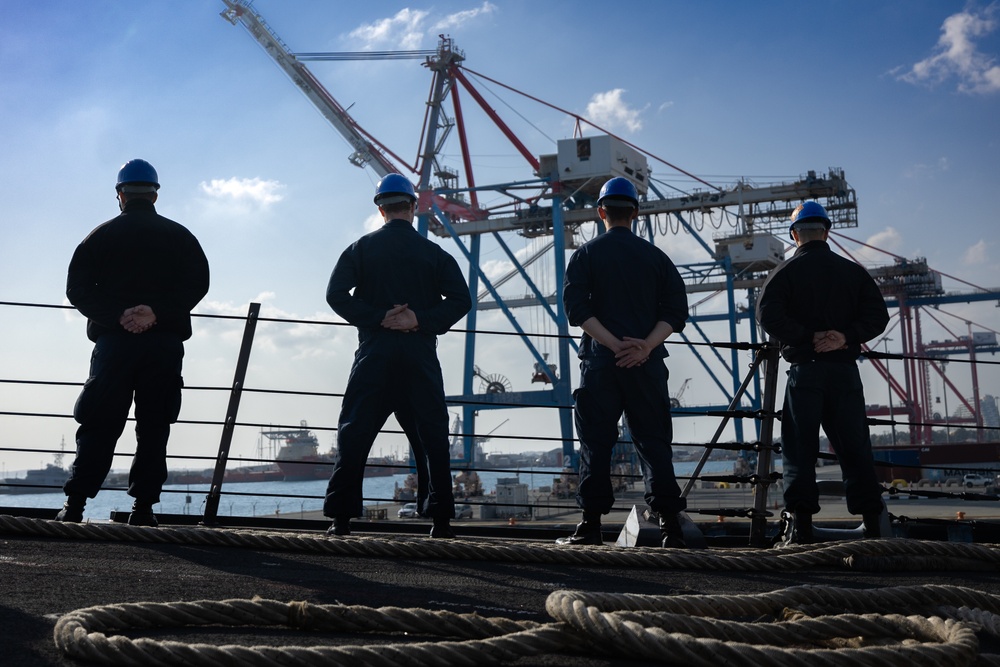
{"x":817,"y":290}
{"x":139,"y":257}
{"x":395,"y":371}
{"x":629,"y":285}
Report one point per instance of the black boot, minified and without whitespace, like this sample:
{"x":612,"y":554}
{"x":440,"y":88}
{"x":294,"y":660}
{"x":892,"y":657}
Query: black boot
{"x":802,"y":530}
{"x":670,"y":529}
{"x":340,"y":527}
{"x":588,"y":532}
{"x":442,"y":529}
{"x":72,"y":509}
{"x":872,"y":525}
{"x":142,"y":515}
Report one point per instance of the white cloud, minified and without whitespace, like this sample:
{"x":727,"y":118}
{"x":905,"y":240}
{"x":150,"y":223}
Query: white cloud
{"x":610,"y":111}
{"x":957,"y":55}
{"x":459,"y":19}
{"x":402,"y":31}
{"x":975,"y":254}
{"x":888,"y":240}
{"x":244,"y":190}
{"x":496,"y":268}
{"x":297,"y":337}
{"x":663,"y":107}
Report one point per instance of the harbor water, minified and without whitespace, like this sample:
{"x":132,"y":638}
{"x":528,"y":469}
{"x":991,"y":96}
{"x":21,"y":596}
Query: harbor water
{"x":291,"y":499}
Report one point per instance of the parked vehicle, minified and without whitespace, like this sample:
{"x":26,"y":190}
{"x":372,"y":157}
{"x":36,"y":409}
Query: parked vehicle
{"x":409,"y":511}
{"x":977,"y":479}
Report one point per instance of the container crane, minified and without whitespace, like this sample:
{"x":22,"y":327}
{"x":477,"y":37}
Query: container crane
{"x":561,"y":199}
{"x":911,"y":285}
{"x":435,"y":210}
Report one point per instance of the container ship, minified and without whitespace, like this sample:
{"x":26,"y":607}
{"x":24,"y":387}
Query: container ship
{"x":44,"y":480}
{"x":299,"y":458}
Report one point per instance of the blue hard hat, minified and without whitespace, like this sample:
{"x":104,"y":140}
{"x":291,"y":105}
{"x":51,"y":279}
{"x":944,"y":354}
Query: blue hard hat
{"x":809,"y":211}
{"x":394,"y":188}
{"x":138,"y":173}
{"x":617,"y":191}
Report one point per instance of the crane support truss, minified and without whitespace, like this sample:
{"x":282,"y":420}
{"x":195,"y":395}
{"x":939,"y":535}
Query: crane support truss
{"x":768,"y":207}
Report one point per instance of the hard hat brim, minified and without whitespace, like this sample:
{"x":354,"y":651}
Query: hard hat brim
{"x":617,"y":202}
{"x":134,"y":188}
{"x":811,"y":223}
{"x":385,"y":200}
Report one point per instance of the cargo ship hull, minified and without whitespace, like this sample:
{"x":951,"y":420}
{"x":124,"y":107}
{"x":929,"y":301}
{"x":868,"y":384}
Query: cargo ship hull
{"x":321,"y":467}
{"x":938,"y":461}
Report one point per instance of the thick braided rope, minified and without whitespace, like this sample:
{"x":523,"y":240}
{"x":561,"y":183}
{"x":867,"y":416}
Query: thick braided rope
{"x":987,"y":621}
{"x":623,"y":626}
{"x":812,"y":598}
{"x":688,"y":628}
{"x":832,"y":554}
{"x":83,"y":634}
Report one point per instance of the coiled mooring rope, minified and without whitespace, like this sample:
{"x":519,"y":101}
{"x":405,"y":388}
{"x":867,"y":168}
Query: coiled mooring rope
{"x":840,"y":628}
{"x":82,"y":634}
{"x":827,"y":626}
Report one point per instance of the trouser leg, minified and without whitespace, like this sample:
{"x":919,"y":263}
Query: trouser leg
{"x":845,"y":424}
{"x":363,"y":412}
{"x":800,"y":422}
{"x":101,"y":410}
{"x":423,"y":391}
{"x":157,"y":404}
{"x":409,"y":426}
{"x":596,"y":411}
{"x":647,"y":412}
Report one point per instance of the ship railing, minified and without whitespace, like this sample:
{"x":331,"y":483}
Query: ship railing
{"x":758,"y":482}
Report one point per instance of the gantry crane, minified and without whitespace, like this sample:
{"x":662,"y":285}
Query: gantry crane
{"x":558,"y":201}
{"x":911,"y":285}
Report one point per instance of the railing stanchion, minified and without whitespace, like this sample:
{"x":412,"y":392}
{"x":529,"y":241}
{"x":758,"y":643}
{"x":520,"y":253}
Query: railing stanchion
{"x":758,"y":522}
{"x":214,"y":495}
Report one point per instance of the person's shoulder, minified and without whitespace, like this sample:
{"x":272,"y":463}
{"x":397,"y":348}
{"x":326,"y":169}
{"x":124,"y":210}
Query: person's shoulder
{"x":588,"y":247}
{"x":107,"y":225}
{"x":106,"y":229}
{"x":608,"y":238}
{"x":844,"y":263}
{"x":169,"y":222}
{"x":173,"y":226}
{"x":639,"y":244}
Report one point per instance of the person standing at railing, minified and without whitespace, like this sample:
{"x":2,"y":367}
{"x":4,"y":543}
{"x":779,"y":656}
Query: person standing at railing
{"x":628,"y":297}
{"x":821,"y":307}
{"x":136,"y":278}
{"x":406,"y":292}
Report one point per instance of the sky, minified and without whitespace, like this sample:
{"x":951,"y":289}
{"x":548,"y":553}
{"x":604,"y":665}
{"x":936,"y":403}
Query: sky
{"x":904,"y":95}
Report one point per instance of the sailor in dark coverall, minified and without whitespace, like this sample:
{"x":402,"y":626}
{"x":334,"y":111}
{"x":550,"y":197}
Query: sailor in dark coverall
{"x":136,"y":278}
{"x":407,"y":292}
{"x":627,"y":296}
{"x":821,"y":307}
